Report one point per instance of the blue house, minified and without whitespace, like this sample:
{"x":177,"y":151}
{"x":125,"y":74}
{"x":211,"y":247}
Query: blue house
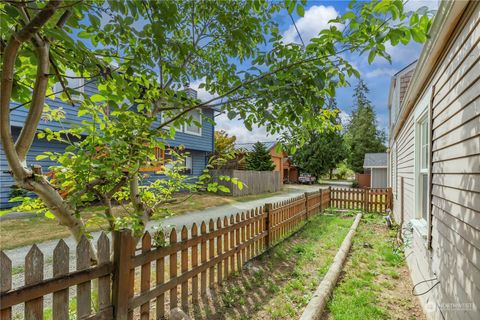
{"x":197,"y":141}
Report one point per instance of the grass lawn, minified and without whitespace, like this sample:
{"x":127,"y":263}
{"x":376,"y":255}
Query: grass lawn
{"x":279,"y":284}
{"x":334,"y":181}
{"x":25,"y":231}
{"x":375,"y":283}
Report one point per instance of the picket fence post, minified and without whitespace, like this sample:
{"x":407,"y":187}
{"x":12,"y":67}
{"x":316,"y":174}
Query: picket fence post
{"x":365,"y":200}
{"x":268,"y":210}
{"x":306,"y":205}
{"x":121,"y":287}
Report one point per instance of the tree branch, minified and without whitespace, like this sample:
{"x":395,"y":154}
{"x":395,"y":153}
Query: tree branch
{"x":253,"y":80}
{"x":9,"y":58}
{"x":25,"y":139}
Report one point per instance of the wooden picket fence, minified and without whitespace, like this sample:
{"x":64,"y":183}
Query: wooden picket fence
{"x":377,"y":200}
{"x":36,"y":287}
{"x":147,"y":280}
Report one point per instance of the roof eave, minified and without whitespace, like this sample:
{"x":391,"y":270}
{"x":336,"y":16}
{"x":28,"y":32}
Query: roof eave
{"x":448,"y":15}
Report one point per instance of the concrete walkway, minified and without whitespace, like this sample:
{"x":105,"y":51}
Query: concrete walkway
{"x":17,"y":255}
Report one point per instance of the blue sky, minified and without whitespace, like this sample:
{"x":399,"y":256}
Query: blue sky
{"x":376,"y":75}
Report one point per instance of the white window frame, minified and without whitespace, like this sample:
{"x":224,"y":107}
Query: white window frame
{"x":199,"y":133}
{"x":57,"y":87}
{"x":189,"y":164}
{"x":422,"y":116}
{"x":162,"y":116}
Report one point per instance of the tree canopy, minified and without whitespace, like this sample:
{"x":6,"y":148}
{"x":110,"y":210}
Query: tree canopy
{"x":140,"y":54}
{"x":363,"y":134}
{"x":259,"y":159}
{"x":324,"y":150}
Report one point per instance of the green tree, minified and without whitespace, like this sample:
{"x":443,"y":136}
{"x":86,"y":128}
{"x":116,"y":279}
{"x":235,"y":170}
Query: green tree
{"x":138,"y":54}
{"x":259,"y":159}
{"x":324,"y":150}
{"x":224,"y":143}
{"x":224,"y":149}
{"x":363,"y":133}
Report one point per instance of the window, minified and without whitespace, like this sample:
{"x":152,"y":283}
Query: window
{"x":166,"y":116}
{"x":195,"y":126}
{"x":75,"y":83}
{"x":188,"y":165}
{"x":423,"y":167}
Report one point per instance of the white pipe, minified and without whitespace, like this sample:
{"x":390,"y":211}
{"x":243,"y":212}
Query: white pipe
{"x":315,"y":307}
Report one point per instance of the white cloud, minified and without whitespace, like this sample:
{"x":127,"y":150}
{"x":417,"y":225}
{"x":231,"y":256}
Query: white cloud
{"x":417,"y":4}
{"x":379,"y":72}
{"x":202,"y":94}
{"x":344,"y":118}
{"x":237,"y":128}
{"x":315,"y":19}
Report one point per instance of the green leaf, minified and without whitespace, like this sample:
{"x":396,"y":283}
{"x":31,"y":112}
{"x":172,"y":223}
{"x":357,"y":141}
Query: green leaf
{"x":291,"y":6}
{"x":97,"y":98}
{"x":41,"y":157}
{"x":49,"y":215}
{"x":223,"y":188}
{"x":418,"y":36}
{"x":82,"y":112}
{"x":413,"y":19}
{"x":371,"y":55}
{"x":349,"y":15}
{"x":300,"y":10}
{"x":231,"y":115}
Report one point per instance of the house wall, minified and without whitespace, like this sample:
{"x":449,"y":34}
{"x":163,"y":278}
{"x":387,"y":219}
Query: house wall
{"x":277,"y":158}
{"x":39,"y":146}
{"x":203,"y":142}
{"x":379,"y":178}
{"x":454,"y":256}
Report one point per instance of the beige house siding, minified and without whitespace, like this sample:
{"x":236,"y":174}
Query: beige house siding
{"x":454,"y":256}
{"x":455,"y":175}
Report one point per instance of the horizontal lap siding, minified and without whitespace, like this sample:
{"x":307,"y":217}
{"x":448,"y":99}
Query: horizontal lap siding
{"x":456,"y":171}
{"x":203,"y":142}
{"x":38,"y":147}
{"x":405,"y":169}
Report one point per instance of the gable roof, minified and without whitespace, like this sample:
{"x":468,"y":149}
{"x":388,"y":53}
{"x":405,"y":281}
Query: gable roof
{"x":248,"y":147}
{"x":375,"y":160}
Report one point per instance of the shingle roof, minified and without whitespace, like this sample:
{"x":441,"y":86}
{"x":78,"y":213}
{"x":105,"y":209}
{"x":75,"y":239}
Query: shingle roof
{"x":248,"y":147}
{"x":375,"y":160}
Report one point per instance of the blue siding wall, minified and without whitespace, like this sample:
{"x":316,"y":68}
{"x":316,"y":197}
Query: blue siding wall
{"x":38,"y":147}
{"x":199,"y":146}
{"x":190,"y":141}
{"x":194,"y":142}
{"x":199,"y":159}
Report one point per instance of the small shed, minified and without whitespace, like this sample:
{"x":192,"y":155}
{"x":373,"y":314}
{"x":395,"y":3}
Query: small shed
{"x":376,"y":164}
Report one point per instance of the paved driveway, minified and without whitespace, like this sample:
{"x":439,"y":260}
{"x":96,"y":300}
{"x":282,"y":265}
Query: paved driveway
{"x":18,"y":255}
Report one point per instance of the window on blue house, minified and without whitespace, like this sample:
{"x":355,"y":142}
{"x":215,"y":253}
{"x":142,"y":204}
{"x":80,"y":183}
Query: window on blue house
{"x":195,"y":126}
{"x":75,"y":83}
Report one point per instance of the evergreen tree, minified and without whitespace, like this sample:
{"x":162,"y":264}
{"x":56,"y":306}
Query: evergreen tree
{"x":323,"y":151}
{"x":363,"y":136}
{"x":259,"y":159}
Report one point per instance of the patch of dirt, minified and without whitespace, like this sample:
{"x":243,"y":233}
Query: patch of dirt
{"x":398,"y":298}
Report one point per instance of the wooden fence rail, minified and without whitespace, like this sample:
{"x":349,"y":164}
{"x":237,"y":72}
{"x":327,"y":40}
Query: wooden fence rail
{"x":149,"y":280}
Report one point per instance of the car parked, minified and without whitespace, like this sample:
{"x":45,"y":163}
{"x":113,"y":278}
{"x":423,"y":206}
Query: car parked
{"x":307,"y":178}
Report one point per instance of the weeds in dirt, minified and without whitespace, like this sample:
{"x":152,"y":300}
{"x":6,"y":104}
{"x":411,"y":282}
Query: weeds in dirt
{"x":375,"y":278}
{"x":279,"y":284}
